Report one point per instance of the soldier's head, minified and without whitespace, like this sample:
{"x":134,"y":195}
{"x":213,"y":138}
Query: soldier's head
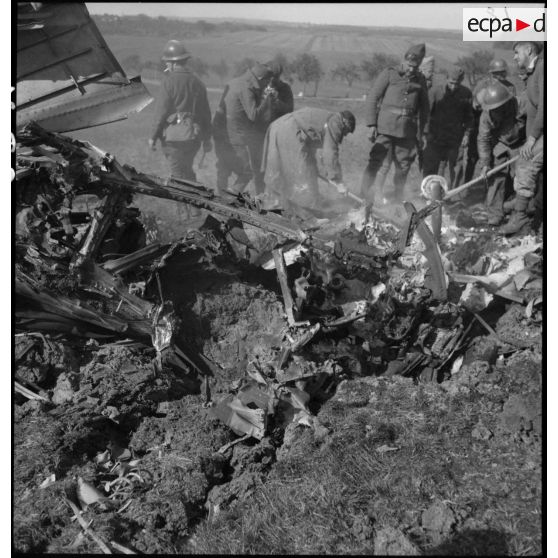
{"x":524,"y":52}
{"x":498,"y":69}
{"x":427,"y":67}
{"x":349,"y":122}
{"x":276,"y":68}
{"x":413,"y":58}
{"x":262,"y":73}
{"x":495,"y":98}
{"x":455,"y":77}
{"x":175,"y":54}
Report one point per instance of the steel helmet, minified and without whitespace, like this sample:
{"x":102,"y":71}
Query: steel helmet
{"x":494,"y":96}
{"x":175,"y":51}
{"x":497,"y":65}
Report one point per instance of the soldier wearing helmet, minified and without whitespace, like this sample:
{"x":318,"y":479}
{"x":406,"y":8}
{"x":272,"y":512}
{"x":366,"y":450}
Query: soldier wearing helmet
{"x":182,"y":119}
{"x":501,"y":131}
{"x":468,"y":155}
{"x":527,"y":55}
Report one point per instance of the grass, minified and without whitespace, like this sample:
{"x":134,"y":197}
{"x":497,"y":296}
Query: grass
{"x":333,"y":497}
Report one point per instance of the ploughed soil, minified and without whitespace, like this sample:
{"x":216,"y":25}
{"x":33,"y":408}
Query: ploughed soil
{"x":392,"y":465}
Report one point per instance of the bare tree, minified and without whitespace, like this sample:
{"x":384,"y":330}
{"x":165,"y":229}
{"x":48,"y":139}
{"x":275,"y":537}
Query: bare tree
{"x":346,"y":71}
{"x":371,"y":67}
{"x":308,"y":69}
{"x":476,"y":65}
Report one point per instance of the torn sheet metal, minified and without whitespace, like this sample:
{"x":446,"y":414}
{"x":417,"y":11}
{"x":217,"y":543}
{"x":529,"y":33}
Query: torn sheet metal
{"x":67,"y":77}
{"x":240,"y":418}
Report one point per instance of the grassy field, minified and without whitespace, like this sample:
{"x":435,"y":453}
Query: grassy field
{"x":329,"y":47}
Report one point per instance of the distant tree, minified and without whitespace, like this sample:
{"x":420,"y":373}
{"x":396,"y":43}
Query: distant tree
{"x":308,"y":69}
{"x":204,"y":27}
{"x":476,"y":65}
{"x":200,"y":67}
{"x":371,"y":67}
{"x":242,"y":66}
{"x":346,"y":71}
{"x":221,"y":70}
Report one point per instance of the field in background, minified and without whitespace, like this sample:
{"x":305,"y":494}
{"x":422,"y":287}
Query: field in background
{"x":329,"y":47}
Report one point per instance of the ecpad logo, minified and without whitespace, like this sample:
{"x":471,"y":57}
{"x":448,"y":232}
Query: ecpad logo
{"x":504,"y":24}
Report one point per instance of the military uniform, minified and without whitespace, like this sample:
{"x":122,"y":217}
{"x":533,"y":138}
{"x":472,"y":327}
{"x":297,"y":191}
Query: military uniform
{"x":183,"y":98}
{"x":398,"y":106}
{"x":527,"y":171}
{"x":245,"y":106}
{"x":500,"y":132}
{"x":468,"y":155}
{"x":291,"y":142}
{"x":451,"y":118}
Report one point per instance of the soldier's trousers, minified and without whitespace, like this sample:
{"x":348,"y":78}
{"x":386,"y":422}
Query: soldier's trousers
{"x":180,"y":155}
{"x":528,"y":170}
{"x":467,"y":158}
{"x":403,"y":153}
{"x":228,"y":162}
{"x":498,"y":184}
{"x":436,"y":156}
{"x":243,"y":156}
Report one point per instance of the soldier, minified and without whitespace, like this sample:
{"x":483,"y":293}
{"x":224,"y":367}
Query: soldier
{"x":500,"y":132}
{"x":182,"y":116}
{"x":399,"y":97}
{"x":468,"y":155}
{"x":282,"y":100}
{"x":530,"y":163}
{"x":245,"y":104}
{"x":291,"y":142}
{"x":450,"y":123}
{"x":427,"y":70}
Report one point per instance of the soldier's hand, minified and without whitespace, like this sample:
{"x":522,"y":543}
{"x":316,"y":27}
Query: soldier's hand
{"x":372,"y":133}
{"x":465,"y":141}
{"x":151,"y":143}
{"x":484,"y":172}
{"x":526,"y":150}
{"x":207,"y":146}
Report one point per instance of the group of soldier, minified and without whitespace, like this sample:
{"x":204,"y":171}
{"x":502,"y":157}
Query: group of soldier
{"x":259,"y":136}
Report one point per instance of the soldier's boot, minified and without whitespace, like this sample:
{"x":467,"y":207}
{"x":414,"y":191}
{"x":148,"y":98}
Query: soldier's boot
{"x":509,"y":206}
{"x":519,"y":222}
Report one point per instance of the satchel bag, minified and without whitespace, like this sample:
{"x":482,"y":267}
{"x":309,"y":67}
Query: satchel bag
{"x":181,"y":127}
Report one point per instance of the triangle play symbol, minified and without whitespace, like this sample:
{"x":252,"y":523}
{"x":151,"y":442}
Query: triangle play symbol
{"x":519,"y":25}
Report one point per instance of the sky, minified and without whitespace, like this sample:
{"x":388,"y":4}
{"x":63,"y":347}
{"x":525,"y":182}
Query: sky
{"x":434,"y":16}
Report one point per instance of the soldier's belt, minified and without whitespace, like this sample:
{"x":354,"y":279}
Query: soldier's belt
{"x":401,"y":111}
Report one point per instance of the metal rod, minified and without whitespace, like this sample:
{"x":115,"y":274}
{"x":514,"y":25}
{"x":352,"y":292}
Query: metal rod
{"x":490,"y":173}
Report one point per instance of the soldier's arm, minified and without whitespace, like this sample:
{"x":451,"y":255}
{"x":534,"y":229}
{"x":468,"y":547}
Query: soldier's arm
{"x":203,"y":112}
{"x":468,"y":116}
{"x":330,"y":149}
{"x":484,"y":141}
{"x":163,"y":108}
{"x":250,"y":105}
{"x":424,"y":107}
{"x":375,"y":97}
{"x":432,"y":96}
{"x":538,"y":126}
